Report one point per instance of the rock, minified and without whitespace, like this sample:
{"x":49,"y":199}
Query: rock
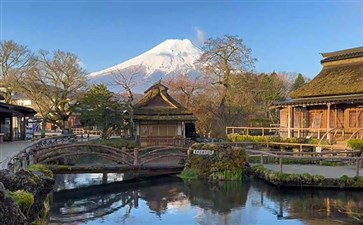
{"x":10,"y":213}
{"x":36,"y":183}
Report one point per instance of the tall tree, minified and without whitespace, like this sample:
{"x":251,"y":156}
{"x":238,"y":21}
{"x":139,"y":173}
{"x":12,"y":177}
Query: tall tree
{"x":299,"y":82}
{"x":15,"y":60}
{"x":128,"y":79}
{"x":223,"y":60}
{"x":59,"y":79}
{"x":98,"y":107}
{"x":223,"y":57}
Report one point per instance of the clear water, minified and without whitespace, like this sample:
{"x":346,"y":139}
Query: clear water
{"x":170,"y":200}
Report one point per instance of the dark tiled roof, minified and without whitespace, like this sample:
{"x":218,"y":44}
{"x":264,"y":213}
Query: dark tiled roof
{"x":343,"y":56}
{"x":17,"y":110}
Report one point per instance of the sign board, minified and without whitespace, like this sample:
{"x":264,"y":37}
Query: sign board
{"x":203,"y":152}
{"x":318,"y":149}
{"x":29,"y":132}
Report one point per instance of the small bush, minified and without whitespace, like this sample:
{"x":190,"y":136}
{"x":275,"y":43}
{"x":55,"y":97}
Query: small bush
{"x":115,"y":142}
{"x":356,"y":144}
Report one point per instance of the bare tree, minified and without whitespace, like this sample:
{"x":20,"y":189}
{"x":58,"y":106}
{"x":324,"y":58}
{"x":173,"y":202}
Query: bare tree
{"x":54,"y":85}
{"x":185,"y":87}
{"x":224,"y":59}
{"x":128,"y":79}
{"x":15,"y":60}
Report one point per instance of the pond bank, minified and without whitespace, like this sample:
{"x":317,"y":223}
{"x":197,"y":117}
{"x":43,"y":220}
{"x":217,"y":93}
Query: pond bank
{"x":306,"y":180}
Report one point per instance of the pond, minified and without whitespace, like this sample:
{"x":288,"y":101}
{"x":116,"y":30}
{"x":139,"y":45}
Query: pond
{"x":171,"y":200}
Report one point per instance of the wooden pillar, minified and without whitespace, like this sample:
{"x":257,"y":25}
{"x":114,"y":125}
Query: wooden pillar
{"x":290,"y":122}
{"x":328,"y":121}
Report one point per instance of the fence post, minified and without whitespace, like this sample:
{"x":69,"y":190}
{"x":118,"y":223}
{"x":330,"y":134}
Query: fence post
{"x":280,"y":161}
{"x":261,"y":159}
{"x":358,"y":165}
{"x":136,"y":157}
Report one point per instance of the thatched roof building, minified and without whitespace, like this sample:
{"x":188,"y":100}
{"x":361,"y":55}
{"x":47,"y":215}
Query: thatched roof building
{"x":160,"y":120}
{"x":342,"y":74}
{"x":333,"y":100}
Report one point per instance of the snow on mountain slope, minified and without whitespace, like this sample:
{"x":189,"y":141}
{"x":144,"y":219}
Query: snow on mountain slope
{"x":169,"y":57}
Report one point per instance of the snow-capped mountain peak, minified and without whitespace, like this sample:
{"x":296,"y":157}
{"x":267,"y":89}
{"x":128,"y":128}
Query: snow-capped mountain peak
{"x":172,"y":56}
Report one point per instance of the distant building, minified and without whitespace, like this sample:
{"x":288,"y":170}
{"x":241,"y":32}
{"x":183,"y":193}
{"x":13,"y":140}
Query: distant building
{"x":332,"y":101}
{"x":160,"y":120}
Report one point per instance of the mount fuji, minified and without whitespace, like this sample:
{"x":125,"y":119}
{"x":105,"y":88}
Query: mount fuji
{"x":170,"y":58}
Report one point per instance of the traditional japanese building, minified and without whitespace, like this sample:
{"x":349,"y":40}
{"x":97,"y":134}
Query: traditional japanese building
{"x":13,"y":121}
{"x":331,"y":103}
{"x":160,"y":120}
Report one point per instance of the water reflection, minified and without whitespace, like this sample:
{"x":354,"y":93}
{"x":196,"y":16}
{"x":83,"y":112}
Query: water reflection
{"x":170,"y":200}
{"x":73,"y":181}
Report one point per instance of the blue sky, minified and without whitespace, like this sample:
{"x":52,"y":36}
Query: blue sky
{"x":283,"y":35}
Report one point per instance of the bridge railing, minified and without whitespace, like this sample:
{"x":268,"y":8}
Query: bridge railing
{"x":25,"y":157}
{"x":164,"y":140}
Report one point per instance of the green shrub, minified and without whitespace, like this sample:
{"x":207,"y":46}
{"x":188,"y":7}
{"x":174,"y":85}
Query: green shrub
{"x":115,"y":142}
{"x":356,"y":144}
{"x":226,"y":163}
{"x":23,"y":199}
{"x":250,"y":138}
{"x":41,"y":168}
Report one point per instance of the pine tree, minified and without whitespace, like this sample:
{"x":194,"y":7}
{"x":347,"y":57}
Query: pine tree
{"x":299,"y":82}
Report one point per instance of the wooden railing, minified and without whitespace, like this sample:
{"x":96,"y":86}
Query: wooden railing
{"x":281,"y":131}
{"x":309,"y":155}
{"x":84,"y":131}
{"x":163,"y":140}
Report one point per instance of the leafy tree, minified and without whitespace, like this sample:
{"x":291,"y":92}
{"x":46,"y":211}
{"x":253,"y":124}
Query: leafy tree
{"x":15,"y":60}
{"x":98,"y":107}
{"x":299,"y":82}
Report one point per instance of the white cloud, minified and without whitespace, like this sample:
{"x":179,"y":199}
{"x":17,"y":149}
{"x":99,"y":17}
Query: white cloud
{"x":200,"y":35}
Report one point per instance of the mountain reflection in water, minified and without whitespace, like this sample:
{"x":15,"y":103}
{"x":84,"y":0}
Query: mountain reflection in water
{"x":170,"y":200}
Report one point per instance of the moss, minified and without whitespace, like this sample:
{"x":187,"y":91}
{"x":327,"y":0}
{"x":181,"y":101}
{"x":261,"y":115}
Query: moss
{"x":305,"y":179}
{"x":189,"y":173}
{"x":41,"y":168}
{"x":23,"y":199}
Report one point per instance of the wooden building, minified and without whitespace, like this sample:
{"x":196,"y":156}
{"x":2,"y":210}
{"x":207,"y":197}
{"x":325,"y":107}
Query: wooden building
{"x":13,"y":121}
{"x":160,"y":120}
{"x":331,"y":103}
